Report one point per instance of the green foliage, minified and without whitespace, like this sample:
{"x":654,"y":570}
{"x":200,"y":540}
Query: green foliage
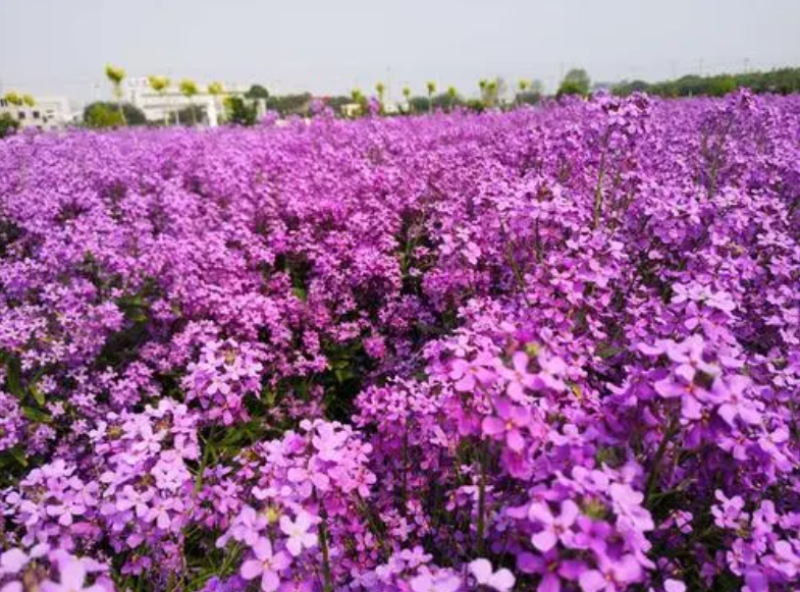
{"x":780,"y":81}
{"x":571,"y":88}
{"x":240,"y":112}
{"x":8,"y":125}
{"x":188,"y":88}
{"x":296,"y":104}
{"x":158,"y":83}
{"x":102,"y":114}
{"x":576,"y":82}
{"x":13,"y":98}
{"x":216,"y":88}
{"x":257,"y":92}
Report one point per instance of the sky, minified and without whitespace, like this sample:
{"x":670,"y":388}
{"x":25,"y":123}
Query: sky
{"x":60,"y":47}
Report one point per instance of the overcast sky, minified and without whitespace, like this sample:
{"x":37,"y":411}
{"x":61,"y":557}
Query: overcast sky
{"x":60,"y":47}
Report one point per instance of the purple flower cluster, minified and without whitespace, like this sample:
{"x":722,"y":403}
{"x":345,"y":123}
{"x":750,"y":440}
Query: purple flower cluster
{"x":553,"y":349}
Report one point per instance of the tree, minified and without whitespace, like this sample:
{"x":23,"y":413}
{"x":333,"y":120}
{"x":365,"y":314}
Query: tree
{"x":215,"y":89}
{"x":452,"y":96}
{"x":257,"y":91}
{"x":116,"y":76}
{"x":8,"y":125}
{"x":239,"y":111}
{"x":102,"y":114}
{"x":431,"y":86}
{"x":407,"y":97}
{"x":14,"y":99}
{"x":189,"y":89}
{"x":576,"y":82}
{"x":160,"y":84}
{"x":28,"y":100}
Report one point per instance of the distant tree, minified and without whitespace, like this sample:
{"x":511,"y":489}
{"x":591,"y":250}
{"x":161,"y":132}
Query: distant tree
{"x":294,"y":104}
{"x":337,"y":103}
{"x":116,"y":76}
{"x":28,"y":100}
{"x":522,"y":88}
{"x":239,"y":111}
{"x":452,"y":97}
{"x":160,"y":84}
{"x":8,"y":125}
{"x":431,"y":87}
{"x":407,"y":97}
{"x":189,"y":90}
{"x":719,"y":86}
{"x":576,"y":82}
{"x":380,"y":88}
{"x":215,"y":89}
{"x":14,"y":99}
{"x":257,"y":91}
{"x":101,"y":114}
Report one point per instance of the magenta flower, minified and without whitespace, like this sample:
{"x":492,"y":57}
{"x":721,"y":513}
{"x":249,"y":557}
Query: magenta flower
{"x":266,"y":564}
{"x":299,"y":537}
{"x":12,"y":561}
{"x":612,"y":575}
{"x":554,"y":528}
{"x":73,"y":579}
{"x":442,"y":582}
{"x":501,"y":580}
{"x":518,"y":377}
{"x":508,"y":424}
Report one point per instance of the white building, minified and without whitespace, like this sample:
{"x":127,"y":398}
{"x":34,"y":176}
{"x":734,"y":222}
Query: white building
{"x":159,"y":106}
{"x":48,"y":113}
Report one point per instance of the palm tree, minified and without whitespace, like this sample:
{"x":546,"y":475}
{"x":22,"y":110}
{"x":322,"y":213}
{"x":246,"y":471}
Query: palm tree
{"x":357,"y":97}
{"x":522,"y":86}
{"x":452,"y":96}
{"x":188,"y":89}
{"x":215,"y":89}
{"x":492,"y":90}
{"x":407,"y":96}
{"x":482,"y":84}
{"x":431,"y":86}
{"x":160,"y":84}
{"x":116,"y":76}
{"x":380,"y":88}
{"x":14,"y":99}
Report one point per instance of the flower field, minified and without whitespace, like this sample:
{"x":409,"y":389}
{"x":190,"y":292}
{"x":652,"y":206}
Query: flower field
{"x":549,"y":349}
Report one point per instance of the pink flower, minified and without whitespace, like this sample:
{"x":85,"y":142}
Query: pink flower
{"x":674,"y":586}
{"x":265,"y":564}
{"x":12,"y":561}
{"x":554,"y":528}
{"x":501,"y":580}
{"x":507,"y":424}
{"x":427,"y":582}
{"x":299,"y":537}
{"x":73,"y":577}
{"x":611,"y":575}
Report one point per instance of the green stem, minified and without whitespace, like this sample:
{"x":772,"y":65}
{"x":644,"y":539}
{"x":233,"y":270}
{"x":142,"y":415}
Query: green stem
{"x":481,"y":499}
{"x":652,"y":478}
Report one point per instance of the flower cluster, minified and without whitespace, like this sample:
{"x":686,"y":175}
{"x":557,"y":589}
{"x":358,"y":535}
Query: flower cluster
{"x":550,"y":349}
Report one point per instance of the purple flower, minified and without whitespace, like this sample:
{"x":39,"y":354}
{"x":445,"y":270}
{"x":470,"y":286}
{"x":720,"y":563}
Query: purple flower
{"x":501,"y":580}
{"x":73,"y":579}
{"x":299,"y":537}
{"x":265,"y":564}
{"x":611,"y":575}
{"x":554,"y":528}
{"x":442,"y":582}
{"x":507,"y":424}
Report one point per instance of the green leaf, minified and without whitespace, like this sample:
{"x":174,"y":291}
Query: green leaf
{"x":14,"y":376}
{"x":37,"y":394}
{"x":36,"y":415}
